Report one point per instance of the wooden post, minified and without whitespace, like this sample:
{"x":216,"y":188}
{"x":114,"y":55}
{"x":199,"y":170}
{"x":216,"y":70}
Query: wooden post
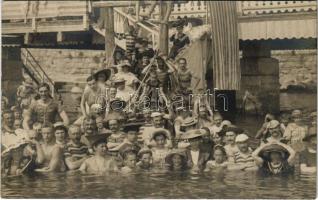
{"x":163,"y":30}
{"x":109,"y":31}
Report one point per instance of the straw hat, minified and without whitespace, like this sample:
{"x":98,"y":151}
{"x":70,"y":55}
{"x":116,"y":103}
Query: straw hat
{"x":160,"y":131}
{"x":191,"y":134}
{"x":273,"y":124}
{"x":189,"y":121}
{"x":59,"y":125}
{"x":106,"y":72}
{"x":265,"y":152}
{"x":156,"y":114}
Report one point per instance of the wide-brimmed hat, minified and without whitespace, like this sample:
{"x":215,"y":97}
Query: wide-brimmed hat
{"x":273,"y":124}
{"x":156,"y":114}
{"x":180,"y":152}
{"x":265,"y":152}
{"x":133,"y":126}
{"x":97,"y":138}
{"x":160,"y":131}
{"x":231,"y":128}
{"x":189,"y":121}
{"x":19,"y":145}
{"x":118,"y":80}
{"x":106,"y":72}
{"x":312,"y":132}
{"x":192,"y":134}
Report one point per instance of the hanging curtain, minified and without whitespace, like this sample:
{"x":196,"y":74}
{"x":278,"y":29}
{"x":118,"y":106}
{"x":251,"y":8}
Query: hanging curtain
{"x":225,"y":44}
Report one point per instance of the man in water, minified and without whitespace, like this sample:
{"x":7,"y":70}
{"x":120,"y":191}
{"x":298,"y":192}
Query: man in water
{"x":44,"y":110}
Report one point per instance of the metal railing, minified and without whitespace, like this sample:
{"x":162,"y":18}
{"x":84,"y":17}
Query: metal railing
{"x":245,"y":8}
{"x":150,"y":29}
{"x":35,"y":71}
{"x":34,"y":14}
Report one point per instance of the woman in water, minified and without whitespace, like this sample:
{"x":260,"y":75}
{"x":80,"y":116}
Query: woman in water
{"x":275,"y":158}
{"x":176,"y":160}
{"x":220,"y":159}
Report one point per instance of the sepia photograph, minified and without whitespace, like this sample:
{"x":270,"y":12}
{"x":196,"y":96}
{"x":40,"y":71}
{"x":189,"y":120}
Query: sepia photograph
{"x":158,"y":99}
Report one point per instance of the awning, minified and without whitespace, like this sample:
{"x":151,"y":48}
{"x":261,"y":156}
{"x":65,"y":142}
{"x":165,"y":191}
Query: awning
{"x":278,"y":29}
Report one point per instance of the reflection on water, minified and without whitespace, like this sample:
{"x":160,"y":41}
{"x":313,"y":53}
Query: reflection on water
{"x":183,"y":185}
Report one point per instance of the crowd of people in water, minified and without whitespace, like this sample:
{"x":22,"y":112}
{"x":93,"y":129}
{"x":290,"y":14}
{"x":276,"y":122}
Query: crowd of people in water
{"x":129,"y":120}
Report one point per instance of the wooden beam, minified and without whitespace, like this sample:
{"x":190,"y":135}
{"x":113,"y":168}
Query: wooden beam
{"x":60,"y":37}
{"x":163,"y":30}
{"x":103,"y":4}
{"x":27,"y":38}
{"x":109,"y":32}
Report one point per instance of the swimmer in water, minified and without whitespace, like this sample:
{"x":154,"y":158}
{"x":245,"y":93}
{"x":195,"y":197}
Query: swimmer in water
{"x":220,"y":160}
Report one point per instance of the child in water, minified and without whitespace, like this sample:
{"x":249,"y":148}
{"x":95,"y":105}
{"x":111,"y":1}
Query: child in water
{"x":176,"y":160}
{"x":145,"y":159}
{"x":159,"y":151}
{"x":130,"y":159}
{"x":220,"y":159}
{"x":99,"y":163}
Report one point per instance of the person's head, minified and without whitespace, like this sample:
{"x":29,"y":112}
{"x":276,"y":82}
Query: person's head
{"x":145,"y":60}
{"x":130,"y":159}
{"x":37,"y":128}
{"x":47,"y":133}
{"x":16,"y":112}
{"x":157,"y":119}
{"x":8,"y":118}
{"x":74,"y":133}
{"x":269,"y":117}
{"x":147,"y":114}
{"x":89,"y":124}
{"x":285,"y":119}
{"x":179,"y":29}
{"x":76,"y":93}
{"x":145,"y":157}
{"x":276,"y":157}
{"x":4,"y":102}
{"x":297,"y":116}
{"x":44,"y":91}
{"x":217,"y":139}
{"x":160,"y":139}
{"x":241,"y":141}
{"x":113,"y":125}
{"x":112,"y":92}
{"x":274,"y":129}
{"x":219,"y":154}
{"x":17,"y":123}
{"x":100,"y":148}
{"x":230,"y":137}
{"x":91,"y":82}
{"x":182,"y":63}
{"x":177,"y":161}
{"x":161,"y":63}
{"x":131,"y":136}
{"x":101,"y":77}
{"x":203,"y":112}
{"x":100,"y":122}
{"x":217,"y":118}
{"x":60,"y":133}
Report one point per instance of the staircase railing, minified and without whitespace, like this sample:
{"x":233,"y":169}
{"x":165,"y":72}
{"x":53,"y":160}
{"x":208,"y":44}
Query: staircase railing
{"x":35,"y":71}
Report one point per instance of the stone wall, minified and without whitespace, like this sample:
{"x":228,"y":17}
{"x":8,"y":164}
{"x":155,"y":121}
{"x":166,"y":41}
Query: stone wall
{"x":297,"y":68}
{"x":68,"y":65}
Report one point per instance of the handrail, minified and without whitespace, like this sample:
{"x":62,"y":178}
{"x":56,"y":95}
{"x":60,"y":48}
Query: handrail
{"x":135,"y":21}
{"x":35,"y":69}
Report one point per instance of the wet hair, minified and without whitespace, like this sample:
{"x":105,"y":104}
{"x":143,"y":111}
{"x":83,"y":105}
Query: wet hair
{"x":44,"y":85}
